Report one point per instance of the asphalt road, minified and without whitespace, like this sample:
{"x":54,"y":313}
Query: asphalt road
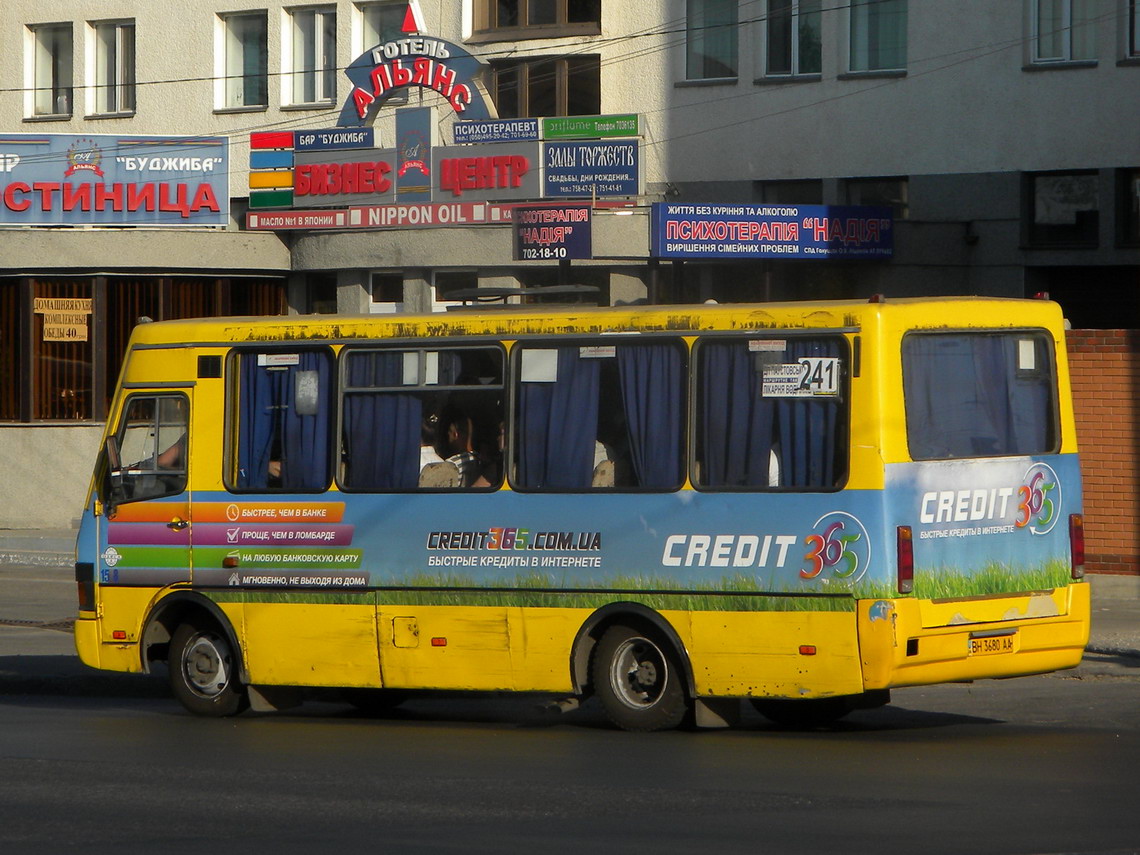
{"x":110,"y":763}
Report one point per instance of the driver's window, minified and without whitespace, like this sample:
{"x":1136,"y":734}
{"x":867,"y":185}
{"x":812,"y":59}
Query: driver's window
{"x":152,"y":442}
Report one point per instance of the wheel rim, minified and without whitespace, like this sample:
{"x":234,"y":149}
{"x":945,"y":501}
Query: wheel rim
{"x":639,"y":673}
{"x":205,"y":668}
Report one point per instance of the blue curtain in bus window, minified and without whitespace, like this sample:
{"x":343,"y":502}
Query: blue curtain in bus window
{"x":381,"y":429}
{"x":970,"y":396}
{"x":653,"y":396}
{"x":1021,"y":401}
{"x":736,"y":422}
{"x":558,"y":425}
{"x":808,"y":428}
{"x":272,"y":431}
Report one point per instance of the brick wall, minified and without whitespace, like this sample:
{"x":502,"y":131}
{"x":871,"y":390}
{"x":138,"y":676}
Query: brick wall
{"x":1105,"y":369}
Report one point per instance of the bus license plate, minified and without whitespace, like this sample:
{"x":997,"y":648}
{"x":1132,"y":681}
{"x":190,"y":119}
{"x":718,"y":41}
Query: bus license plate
{"x":984,"y":645}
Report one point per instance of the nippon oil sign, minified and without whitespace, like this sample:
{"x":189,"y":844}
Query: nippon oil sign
{"x":105,"y":180}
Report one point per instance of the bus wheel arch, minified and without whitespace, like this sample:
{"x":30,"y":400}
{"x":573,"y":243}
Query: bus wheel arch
{"x":634,"y":660}
{"x":199,"y":646}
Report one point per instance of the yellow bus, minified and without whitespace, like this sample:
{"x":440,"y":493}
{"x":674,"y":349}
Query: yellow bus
{"x":671,"y":508}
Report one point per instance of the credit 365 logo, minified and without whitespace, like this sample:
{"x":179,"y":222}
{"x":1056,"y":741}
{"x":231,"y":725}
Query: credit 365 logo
{"x":1038,"y":499}
{"x":839,"y":549}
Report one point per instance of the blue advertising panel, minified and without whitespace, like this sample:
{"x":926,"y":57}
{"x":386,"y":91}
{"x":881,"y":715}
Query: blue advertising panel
{"x":415,"y":130}
{"x":771,"y":231}
{"x":552,"y":233}
{"x":588,"y":169}
{"x":495,"y":130}
{"x":106,"y":180}
{"x":322,"y":139}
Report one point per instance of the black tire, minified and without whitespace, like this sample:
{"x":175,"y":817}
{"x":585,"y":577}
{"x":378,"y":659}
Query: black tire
{"x":638,"y":680}
{"x":204,"y":670}
{"x":806,"y":713}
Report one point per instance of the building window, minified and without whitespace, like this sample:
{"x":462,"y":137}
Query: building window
{"x":380,"y":23}
{"x":878,"y":35}
{"x":52,"y":70}
{"x":1133,"y":29}
{"x":881,"y":192}
{"x":1062,"y":209}
{"x":710,"y":39}
{"x":793,"y":37}
{"x":1063,"y":30}
{"x":246,"y":63}
{"x":1128,"y":206}
{"x":313,"y":55}
{"x":808,"y":191}
{"x":114,"y":67}
{"x":565,"y":86}
{"x":553,"y":17}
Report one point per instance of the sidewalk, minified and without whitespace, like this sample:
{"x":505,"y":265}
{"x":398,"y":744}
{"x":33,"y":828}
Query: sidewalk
{"x":1115,"y":599}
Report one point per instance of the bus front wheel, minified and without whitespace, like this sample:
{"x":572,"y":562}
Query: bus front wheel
{"x":638,"y":681}
{"x":203,"y":670}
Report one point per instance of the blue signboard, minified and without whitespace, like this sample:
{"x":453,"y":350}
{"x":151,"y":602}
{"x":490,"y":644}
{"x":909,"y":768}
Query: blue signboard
{"x":552,"y":233}
{"x":589,"y":169}
{"x":322,"y":139}
{"x":415,"y":130}
{"x":495,"y":130}
{"x":771,"y":231}
{"x":70,"y":180}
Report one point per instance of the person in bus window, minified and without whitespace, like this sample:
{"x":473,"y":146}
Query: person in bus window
{"x":461,"y":449}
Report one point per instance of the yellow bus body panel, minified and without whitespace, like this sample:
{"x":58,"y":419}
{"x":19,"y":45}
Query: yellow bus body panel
{"x":773,"y":654}
{"x":311,"y":644}
{"x":484,"y":648}
{"x":107,"y":656}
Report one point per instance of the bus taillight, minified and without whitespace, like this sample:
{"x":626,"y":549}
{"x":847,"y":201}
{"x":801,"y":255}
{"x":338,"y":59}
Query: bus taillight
{"x":905,"y":559}
{"x":1077,"y":544}
{"x":85,"y":583}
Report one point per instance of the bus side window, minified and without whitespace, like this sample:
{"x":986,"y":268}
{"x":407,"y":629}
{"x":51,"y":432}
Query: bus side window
{"x":422,"y":419}
{"x":771,"y":413}
{"x":284,"y":421}
{"x":598,"y":416}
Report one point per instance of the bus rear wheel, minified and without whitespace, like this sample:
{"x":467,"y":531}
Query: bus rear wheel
{"x":638,"y":681}
{"x":203,"y":670}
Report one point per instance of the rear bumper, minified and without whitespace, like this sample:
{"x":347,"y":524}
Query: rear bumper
{"x":908,"y":642}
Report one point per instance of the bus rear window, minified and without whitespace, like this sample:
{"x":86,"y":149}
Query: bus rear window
{"x":979,"y":394}
{"x":771,"y":413}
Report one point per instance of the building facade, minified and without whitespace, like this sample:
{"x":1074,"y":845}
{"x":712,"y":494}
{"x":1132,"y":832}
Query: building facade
{"x":1004,"y":138}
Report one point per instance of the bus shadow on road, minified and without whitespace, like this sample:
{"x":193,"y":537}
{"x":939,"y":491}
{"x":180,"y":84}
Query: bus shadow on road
{"x":45,"y":677}
{"x":65,"y":676}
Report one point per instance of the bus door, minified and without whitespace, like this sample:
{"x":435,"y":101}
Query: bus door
{"x":144,"y":541}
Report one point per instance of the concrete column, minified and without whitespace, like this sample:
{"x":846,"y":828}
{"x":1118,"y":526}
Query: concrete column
{"x":417,"y":290}
{"x":352,"y":292}
{"x":627,"y":287}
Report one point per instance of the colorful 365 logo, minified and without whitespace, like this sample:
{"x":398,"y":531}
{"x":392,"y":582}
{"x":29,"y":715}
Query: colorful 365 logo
{"x":839,"y":549}
{"x":1038,"y":499}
